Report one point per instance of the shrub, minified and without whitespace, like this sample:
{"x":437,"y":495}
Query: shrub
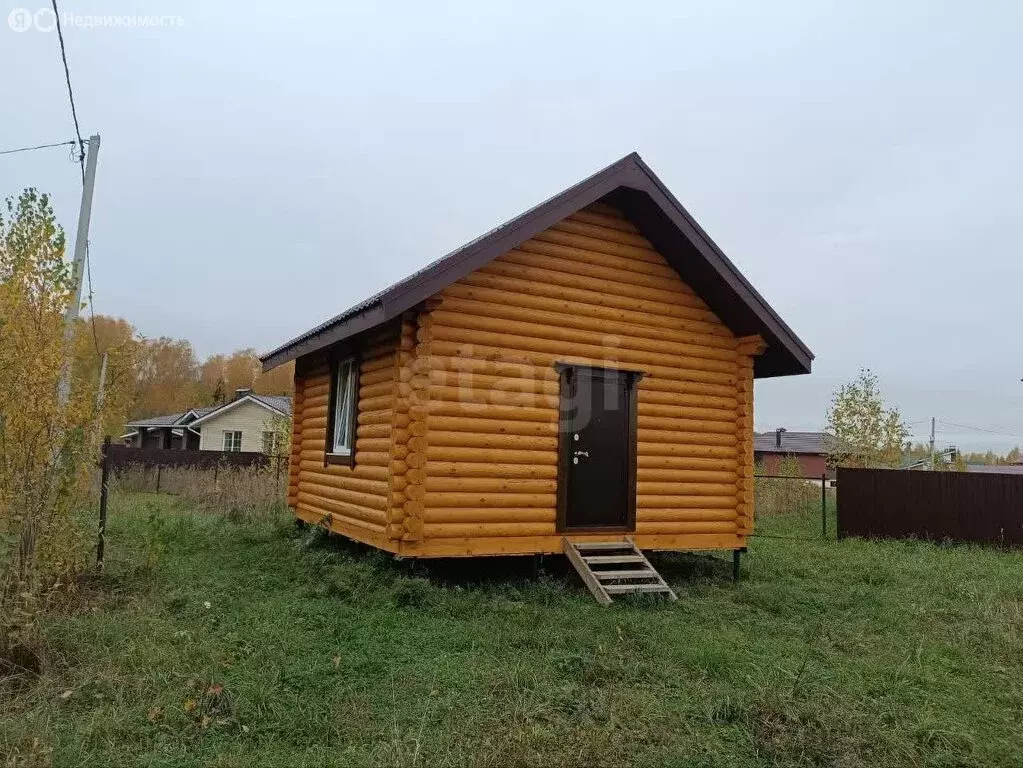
{"x":48,"y":430}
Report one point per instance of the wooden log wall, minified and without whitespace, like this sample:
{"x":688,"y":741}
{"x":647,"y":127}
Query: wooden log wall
{"x":747,"y":348}
{"x":295,"y":460}
{"x":362,"y":502}
{"x":406,"y":458}
{"x":483,"y":448}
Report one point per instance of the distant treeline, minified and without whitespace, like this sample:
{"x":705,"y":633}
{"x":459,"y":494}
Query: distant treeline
{"x":921,"y":450}
{"x":164,"y":375}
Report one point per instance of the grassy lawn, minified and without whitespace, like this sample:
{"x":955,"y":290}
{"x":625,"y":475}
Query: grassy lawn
{"x":213,"y":642}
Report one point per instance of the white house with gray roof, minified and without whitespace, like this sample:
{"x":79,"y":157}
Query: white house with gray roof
{"x":246,"y":423}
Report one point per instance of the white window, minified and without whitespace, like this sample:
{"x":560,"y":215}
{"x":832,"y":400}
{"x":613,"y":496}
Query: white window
{"x":344,"y":408}
{"x":232,"y":441}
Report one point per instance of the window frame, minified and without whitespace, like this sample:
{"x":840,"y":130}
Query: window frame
{"x":331,"y":455}
{"x":225,"y":443}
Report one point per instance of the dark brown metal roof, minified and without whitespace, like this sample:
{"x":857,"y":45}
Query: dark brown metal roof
{"x":817,"y":443}
{"x":633,"y":188}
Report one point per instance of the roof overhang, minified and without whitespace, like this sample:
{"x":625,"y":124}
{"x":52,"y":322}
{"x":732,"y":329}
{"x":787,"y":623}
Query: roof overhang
{"x":330,"y":333}
{"x":179,"y":420}
{"x":631,"y":186}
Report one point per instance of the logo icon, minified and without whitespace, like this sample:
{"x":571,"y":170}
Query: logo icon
{"x":45,"y":20}
{"x":19,"y":19}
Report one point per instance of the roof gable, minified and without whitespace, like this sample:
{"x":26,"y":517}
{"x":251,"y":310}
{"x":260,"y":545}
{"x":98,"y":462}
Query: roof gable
{"x":281,"y":403}
{"x":278,"y":404}
{"x":633,"y":188}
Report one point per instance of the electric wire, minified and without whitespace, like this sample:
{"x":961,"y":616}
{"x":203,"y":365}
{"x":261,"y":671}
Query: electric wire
{"x":71,"y":143}
{"x":70,"y":91}
{"x":92,"y":307}
{"x":81,"y":164}
{"x":979,"y":429}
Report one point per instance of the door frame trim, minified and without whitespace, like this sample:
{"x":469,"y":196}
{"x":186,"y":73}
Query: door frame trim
{"x":631,"y":378}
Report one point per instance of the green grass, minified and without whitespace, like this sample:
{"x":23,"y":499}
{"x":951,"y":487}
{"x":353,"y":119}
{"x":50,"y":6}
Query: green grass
{"x":838,"y":654}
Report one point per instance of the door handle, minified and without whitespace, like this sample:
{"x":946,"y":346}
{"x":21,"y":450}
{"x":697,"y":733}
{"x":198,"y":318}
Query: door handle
{"x":581,"y":453}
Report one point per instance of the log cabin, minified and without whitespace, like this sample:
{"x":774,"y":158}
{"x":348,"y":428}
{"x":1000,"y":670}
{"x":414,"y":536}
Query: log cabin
{"x":583,"y":372}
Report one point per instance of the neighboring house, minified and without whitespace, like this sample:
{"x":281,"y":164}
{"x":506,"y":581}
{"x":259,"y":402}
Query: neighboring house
{"x":165,"y":432}
{"x":948,"y":456}
{"x":809,"y":449}
{"x":926,"y":463}
{"x":244,"y":424}
{"x":583,"y":370}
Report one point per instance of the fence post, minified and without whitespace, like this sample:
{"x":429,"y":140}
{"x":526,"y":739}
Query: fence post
{"x":158,"y":468}
{"x":103,"y":487}
{"x":824,"y":505}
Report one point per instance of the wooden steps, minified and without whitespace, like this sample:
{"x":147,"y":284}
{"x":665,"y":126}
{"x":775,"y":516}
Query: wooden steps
{"x":605,"y":582}
{"x":611,"y":559}
{"x":611,"y":575}
{"x":625,"y":589}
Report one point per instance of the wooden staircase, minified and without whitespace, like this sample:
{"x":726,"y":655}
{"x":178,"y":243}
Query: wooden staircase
{"x":615,"y":568}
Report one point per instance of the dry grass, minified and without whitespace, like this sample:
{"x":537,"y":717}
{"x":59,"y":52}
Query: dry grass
{"x":786,"y":492}
{"x":788,"y":496}
{"x":238,"y":492}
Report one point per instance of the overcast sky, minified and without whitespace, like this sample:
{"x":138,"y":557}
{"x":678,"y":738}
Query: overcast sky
{"x":266,"y":165}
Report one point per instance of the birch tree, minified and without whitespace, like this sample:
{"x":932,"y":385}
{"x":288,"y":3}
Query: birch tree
{"x":868,"y":432}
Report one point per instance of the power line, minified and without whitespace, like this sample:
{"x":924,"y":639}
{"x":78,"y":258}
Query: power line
{"x":92,"y":307}
{"x":38,"y":146}
{"x":70,"y":92}
{"x":980,"y":429}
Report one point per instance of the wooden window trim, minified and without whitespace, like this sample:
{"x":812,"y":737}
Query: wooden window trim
{"x":342,"y":459}
{"x":631,"y":379}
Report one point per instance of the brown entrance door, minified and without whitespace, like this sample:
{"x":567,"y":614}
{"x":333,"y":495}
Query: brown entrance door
{"x":597,"y":449}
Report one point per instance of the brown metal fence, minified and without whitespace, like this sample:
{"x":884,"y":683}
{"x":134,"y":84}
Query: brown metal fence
{"x":957,"y":506}
{"x":122,"y":455}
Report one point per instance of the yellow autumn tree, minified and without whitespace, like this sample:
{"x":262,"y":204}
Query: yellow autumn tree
{"x":116,"y":338}
{"x":222,"y":374}
{"x":868,"y":432}
{"x":46,"y":447}
{"x":278,"y":381}
{"x":166,"y":377}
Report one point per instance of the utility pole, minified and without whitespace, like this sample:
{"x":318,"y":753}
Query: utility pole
{"x":78,"y":270}
{"x":932,"y":443}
